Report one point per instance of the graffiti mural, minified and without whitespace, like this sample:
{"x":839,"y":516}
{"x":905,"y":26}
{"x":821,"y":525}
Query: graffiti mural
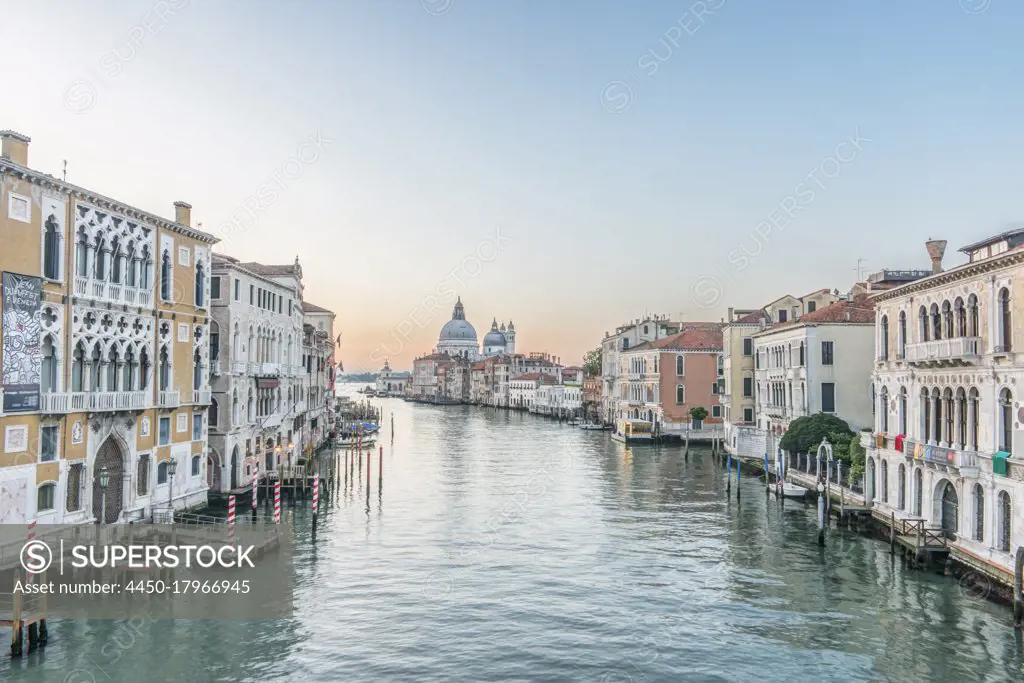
{"x":22,"y":355}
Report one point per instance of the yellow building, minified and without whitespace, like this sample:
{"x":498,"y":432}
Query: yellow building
{"x":105,"y":352}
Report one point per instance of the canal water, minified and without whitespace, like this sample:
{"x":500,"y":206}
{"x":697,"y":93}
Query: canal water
{"x":506,"y":547}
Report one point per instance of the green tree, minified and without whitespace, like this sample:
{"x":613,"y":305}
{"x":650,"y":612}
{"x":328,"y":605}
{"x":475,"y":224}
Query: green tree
{"x":698,"y":414}
{"x":592,"y":362}
{"x":805,"y":435}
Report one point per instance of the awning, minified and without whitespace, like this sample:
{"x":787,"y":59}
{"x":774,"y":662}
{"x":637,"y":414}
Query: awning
{"x":999,"y":463}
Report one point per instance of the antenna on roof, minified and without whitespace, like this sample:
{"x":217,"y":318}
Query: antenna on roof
{"x":65,"y":174}
{"x":859,"y":270}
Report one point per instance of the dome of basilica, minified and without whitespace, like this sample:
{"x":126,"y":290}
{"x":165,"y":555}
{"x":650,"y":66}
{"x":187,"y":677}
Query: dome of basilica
{"x":495,"y":336}
{"x":458,"y":328}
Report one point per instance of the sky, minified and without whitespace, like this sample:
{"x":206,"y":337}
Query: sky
{"x":567,"y":165}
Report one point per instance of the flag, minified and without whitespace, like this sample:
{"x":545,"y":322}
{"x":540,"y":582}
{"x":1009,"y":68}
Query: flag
{"x":338,"y":340}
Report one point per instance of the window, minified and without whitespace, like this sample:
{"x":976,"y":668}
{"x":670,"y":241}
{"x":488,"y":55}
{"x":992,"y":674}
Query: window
{"x":1005,"y":321}
{"x":238,"y":288}
{"x":1005,"y":509}
{"x":197,"y":426}
{"x":979,"y":513}
{"x":918,"y":488}
{"x":903,"y":410}
{"x":48,"y":367}
{"x":811,"y":306}
{"x":827,"y":353}
{"x":49,"y":440}
{"x":748,"y":414}
{"x":165,"y":430}
{"x":901,"y":342}
{"x":782,"y":316}
{"x":748,"y":387}
{"x":885,"y":482}
{"x":748,"y":346}
{"x":44,"y":500}
{"x":1005,"y":420}
{"x":142,"y":487}
{"x":828,"y":397}
{"x":51,"y":249}
{"x":883,"y":342}
{"x":716,"y":411}
{"x":165,"y":277}
{"x":901,"y":499}
{"x":252,"y":295}
{"x":213,"y":416}
{"x":161,"y":473}
{"x":714,"y":388}
{"x":73,"y":502}
{"x":289,"y":306}
{"x":883,"y":410}
{"x":214,"y":287}
{"x":195,"y":465}
{"x":679,"y":365}
{"x":680,"y":394}
{"x":19,"y":208}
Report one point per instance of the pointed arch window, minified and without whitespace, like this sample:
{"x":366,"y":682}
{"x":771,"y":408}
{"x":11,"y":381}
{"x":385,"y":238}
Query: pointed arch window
{"x":902,"y":341}
{"x":78,"y":368}
{"x":145,"y":268}
{"x":197,"y":371}
{"x":115,"y":260}
{"x":936,"y":322}
{"x":165,"y":370}
{"x":973,"y":330}
{"x":883,"y":410}
{"x":947,"y":320}
{"x":131,"y":272}
{"x":922,"y":315}
{"x":1005,"y":420}
{"x":165,"y":276}
{"x":200,"y":285}
{"x":48,"y":369}
{"x":99,"y":270}
{"x":214,"y":418}
{"x":131,"y":369}
{"x":82,"y":253}
{"x":1005,"y":508}
{"x":979,"y":513}
{"x":883,"y":342}
{"x":901,"y":499}
{"x":113,"y":360}
{"x":94,"y":370}
{"x":51,"y":249}
{"x":143,"y":369}
{"x":903,"y":410}
{"x":884,"y":485}
{"x":961,"y":317}
{"x":1005,"y":321}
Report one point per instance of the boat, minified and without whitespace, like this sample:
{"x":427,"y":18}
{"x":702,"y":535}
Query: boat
{"x":592,"y":426}
{"x":635,"y":431}
{"x":353,"y":438}
{"x":788,"y":490}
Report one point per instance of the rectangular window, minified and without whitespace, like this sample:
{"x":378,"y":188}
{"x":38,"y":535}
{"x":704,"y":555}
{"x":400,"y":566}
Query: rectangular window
{"x":748,"y":414}
{"x":716,"y":411}
{"x":679,"y":365}
{"x":289,"y":306}
{"x":828,"y":397}
{"x":74,"y":493}
{"x":748,"y":387}
{"x":197,"y":426}
{"x":49,"y":439}
{"x":680,"y":394}
{"x":161,"y":473}
{"x":238,"y":289}
{"x":811,"y":306}
{"x":252,"y":295}
{"x":45,"y":499}
{"x":165,"y":430}
{"x":782,"y":316}
{"x":215,"y":287}
{"x":142,"y":478}
{"x":19,"y":208}
{"x":714,"y":388}
{"x":748,"y":346}
{"x":827,"y":353}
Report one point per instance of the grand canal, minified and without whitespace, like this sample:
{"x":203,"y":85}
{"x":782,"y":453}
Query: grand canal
{"x":505,"y":547}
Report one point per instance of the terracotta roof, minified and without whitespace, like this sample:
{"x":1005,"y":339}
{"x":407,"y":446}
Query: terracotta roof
{"x":313,"y":308}
{"x":482,"y":365}
{"x":269,"y":270}
{"x":824,"y":290}
{"x":753,"y":318}
{"x":693,"y":337}
{"x":859,"y":310}
{"x":434,"y":356}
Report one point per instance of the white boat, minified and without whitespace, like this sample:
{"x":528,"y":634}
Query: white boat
{"x":350,"y":439}
{"x":591,"y":425}
{"x":791,"y":491}
{"x":576,"y":421}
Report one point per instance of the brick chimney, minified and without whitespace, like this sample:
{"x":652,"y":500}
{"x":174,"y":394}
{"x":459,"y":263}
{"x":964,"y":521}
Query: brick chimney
{"x":936,"y":250}
{"x":14,"y":147}
{"x":183,"y":213}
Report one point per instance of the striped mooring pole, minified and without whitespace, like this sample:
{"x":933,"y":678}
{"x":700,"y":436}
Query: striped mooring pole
{"x":277,"y":501}
{"x":255,"y":487}
{"x":316,"y":499}
{"x":231,"y":520}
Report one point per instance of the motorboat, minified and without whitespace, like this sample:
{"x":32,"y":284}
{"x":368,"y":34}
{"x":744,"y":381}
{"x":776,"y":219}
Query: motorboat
{"x":592,"y":426}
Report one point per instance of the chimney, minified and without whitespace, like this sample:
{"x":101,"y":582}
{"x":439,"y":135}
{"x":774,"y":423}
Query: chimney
{"x":183,"y":213}
{"x":14,"y":147}
{"x":936,"y":249}
{"x":847,"y":316}
{"x":730,"y":314}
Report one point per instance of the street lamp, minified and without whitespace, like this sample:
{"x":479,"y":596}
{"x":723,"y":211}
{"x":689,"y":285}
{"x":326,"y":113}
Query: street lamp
{"x":104,"y":482}
{"x":172,"y":467}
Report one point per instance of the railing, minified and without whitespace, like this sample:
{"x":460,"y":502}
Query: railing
{"x":254,"y":368}
{"x":55,"y":402}
{"x":112,"y":292}
{"x":923,"y":538}
{"x":201,"y":397}
{"x":238,"y":367}
{"x":269,"y":369}
{"x":168,"y":399}
{"x":110,"y":400}
{"x":939,"y":350}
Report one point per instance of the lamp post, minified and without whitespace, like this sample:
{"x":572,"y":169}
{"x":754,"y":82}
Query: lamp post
{"x":104,"y":482}
{"x":172,"y":467}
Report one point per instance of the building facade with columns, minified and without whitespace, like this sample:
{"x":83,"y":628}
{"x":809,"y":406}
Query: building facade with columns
{"x":105,"y":352}
{"x":257,"y":366}
{"x":318,"y":381}
{"x":948,"y":375}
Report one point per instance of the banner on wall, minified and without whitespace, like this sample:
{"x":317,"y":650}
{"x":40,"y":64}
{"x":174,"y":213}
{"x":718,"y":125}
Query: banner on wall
{"x":22,"y":355}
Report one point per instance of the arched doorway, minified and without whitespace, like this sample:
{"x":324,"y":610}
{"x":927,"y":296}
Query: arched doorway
{"x":109,"y":456}
{"x":950,"y":510}
{"x":234,"y":468}
{"x":213,"y":470}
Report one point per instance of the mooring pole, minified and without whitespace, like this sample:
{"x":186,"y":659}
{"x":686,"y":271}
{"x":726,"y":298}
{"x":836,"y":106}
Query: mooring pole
{"x":821,"y":515}
{"x":316,"y":501}
{"x":728,"y":477}
{"x":892,"y":533}
{"x":739,"y":468}
{"x":1018,"y":589}
{"x":380,"y":469}
{"x":767,"y":477}
{"x":842,"y":499}
{"x":255,"y":490}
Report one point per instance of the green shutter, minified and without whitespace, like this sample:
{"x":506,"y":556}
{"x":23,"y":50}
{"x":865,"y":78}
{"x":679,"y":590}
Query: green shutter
{"x":999,"y":463}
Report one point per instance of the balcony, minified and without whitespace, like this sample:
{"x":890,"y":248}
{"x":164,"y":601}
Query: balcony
{"x":238,"y":367}
{"x":201,"y":397}
{"x":945,"y":352}
{"x":98,"y":401}
{"x":215,"y":367}
{"x":168,"y":399}
{"x":112,"y":292}
{"x":944,"y":458}
{"x":267,"y":369}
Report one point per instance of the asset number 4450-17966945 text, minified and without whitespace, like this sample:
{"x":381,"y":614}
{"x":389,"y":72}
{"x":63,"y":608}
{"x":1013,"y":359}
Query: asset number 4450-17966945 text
{"x":184,"y":587}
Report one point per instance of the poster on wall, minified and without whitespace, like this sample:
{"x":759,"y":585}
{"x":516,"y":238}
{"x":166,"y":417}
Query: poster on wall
{"x":22,"y":356}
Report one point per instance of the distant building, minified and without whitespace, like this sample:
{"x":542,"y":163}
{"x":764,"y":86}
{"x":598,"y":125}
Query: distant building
{"x":649,"y":328}
{"x":391,"y":382}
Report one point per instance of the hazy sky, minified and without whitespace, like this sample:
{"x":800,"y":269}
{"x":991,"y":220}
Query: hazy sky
{"x":621,"y":154}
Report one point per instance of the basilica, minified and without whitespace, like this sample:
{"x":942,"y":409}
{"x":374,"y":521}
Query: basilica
{"x":458,"y":338}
